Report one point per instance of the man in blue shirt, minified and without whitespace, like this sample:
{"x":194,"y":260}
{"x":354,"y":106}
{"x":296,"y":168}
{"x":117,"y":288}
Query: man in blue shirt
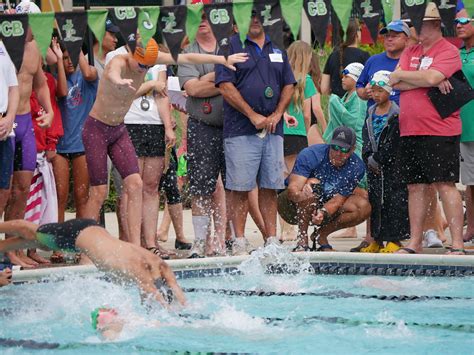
{"x":396,"y":36}
{"x":322,"y":190}
{"x":256,"y":96}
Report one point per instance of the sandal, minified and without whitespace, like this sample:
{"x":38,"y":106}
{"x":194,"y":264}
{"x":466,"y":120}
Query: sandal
{"x":391,"y":247}
{"x":357,"y":249}
{"x":57,"y":258}
{"x":373,"y":247}
{"x":456,"y":251}
{"x":162,"y":254}
{"x":325,"y":247}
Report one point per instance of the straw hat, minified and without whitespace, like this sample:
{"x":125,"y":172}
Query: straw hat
{"x":432,"y":12}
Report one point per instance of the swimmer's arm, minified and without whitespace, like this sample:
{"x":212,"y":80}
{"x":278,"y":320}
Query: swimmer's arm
{"x":113,"y":72}
{"x":201,"y":58}
{"x":24,"y":231}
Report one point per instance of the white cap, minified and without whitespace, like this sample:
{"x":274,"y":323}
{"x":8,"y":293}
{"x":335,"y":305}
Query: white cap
{"x":381,"y":78}
{"x":27,"y":7}
{"x":353,"y":70}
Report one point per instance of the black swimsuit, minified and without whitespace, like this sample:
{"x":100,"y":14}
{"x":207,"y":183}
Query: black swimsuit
{"x":62,"y":236}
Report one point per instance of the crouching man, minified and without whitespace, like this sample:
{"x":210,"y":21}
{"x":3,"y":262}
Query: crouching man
{"x":323,"y":190}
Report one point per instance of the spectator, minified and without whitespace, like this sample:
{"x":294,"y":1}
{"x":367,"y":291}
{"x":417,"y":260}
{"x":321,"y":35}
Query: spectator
{"x":9,"y":98}
{"x":340,"y":58}
{"x":205,"y":148}
{"x":387,"y":195}
{"x":429,"y":144}
{"x":80,"y":86}
{"x":322,"y":189}
{"x":318,"y":121}
{"x":256,"y":96}
{"x":395,"y":35}
{"x":109,"y":42}
{"x":30,"y":77}
{"x":349,"y":110}
{"x":465,"y":31}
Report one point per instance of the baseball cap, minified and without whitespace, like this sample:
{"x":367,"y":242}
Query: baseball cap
{"x":381,"y":78}
{"x":27,"y":7}
{"x":353,"y":70}
{"x":396,"y":26}
{"x":344,"y":137}
{"x":111,"y":27}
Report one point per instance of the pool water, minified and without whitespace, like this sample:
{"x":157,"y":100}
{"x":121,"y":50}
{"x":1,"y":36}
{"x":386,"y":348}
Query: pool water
{"x":319,"y":314}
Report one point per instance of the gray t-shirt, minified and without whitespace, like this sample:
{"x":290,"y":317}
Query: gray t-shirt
{"x":99,"y":67}
{"x":194,"y":104}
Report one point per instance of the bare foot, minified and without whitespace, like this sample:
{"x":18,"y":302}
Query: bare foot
{"x":350,"y":232}
{"x":161,"y":237}
{"x":163,"y":250}
{"x":33,"y":254}
{"x":19,"y":258}
{"x":5,"y":277}
{"x":468,"y":236}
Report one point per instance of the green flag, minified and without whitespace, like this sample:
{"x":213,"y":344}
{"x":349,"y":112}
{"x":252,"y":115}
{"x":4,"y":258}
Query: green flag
{"x":242,"y":10}
{"x":193,"y":20}
{"x":96,"y":20}
{"x":388,"y":10}
{"x":343,"y":10}
{"x":147,"y":20}
{"x":42,"y":27}
{"x":291,"y":10}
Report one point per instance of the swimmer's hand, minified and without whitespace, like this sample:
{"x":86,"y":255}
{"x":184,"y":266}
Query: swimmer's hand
{"x":45,"y":120}
{"x":235,"y":58}
{"x":125,"y":84}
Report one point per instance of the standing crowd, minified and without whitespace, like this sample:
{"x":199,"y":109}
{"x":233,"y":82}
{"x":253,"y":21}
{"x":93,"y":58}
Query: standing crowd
{"x":256,"y":139}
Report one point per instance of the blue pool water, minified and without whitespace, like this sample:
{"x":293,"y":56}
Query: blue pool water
{"x":326,"y":314}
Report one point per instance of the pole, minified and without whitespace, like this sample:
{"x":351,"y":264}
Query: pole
{"x":90,"y":55}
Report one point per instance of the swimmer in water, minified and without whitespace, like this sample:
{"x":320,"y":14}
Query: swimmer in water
{"x":126,"y":261}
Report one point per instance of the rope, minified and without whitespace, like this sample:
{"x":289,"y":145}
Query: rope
{"x":329,"y":294}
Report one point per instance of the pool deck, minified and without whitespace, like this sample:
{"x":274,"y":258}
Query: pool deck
{"x":430,"y":257}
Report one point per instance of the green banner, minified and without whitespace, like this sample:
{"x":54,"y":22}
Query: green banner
{"x":343,"y":10}
{"x":469,"y":5}
{"x":242,"y":10}
{"x":388,"y":10}
{"x":42,"y":25}
{"x":147,"y":22}
{"x":291,"y":10}
{"x":193,"y":20}
{"x":96,"y":20}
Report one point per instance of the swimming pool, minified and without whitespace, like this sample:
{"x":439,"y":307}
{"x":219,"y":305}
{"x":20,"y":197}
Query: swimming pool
{"x":252,"y":311}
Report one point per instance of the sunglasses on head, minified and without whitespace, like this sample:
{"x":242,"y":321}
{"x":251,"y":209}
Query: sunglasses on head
{"x":462,"y":21}
{"x":338,"y":148}
{"x":378,"y":83}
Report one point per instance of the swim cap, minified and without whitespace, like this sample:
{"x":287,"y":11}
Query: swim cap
{"x":95,"y":315}
{"x":146,"y":56}
{"x":27,"y":7}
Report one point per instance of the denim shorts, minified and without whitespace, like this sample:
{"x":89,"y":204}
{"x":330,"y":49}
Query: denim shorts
{"x":253,"y":161}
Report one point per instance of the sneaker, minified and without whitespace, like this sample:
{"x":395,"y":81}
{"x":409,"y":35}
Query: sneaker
{"x":240,"y":246}
{"x":272,"y":240}
{"x":431,"y":240}
{"x":197,"y":251}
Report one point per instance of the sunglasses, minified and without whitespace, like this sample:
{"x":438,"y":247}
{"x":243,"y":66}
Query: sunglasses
{"x":338,"y":148}
{"x":143,"y":66}
{"x":378,"y":83}
{"x":462,"y":21}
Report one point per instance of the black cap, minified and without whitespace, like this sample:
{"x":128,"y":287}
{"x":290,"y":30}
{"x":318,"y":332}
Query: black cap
{"x":344,"y":137}
{"x":111,"y":27}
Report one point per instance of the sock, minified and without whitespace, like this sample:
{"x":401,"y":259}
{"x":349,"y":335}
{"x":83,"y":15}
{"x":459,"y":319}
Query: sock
{"x":201,"y":226}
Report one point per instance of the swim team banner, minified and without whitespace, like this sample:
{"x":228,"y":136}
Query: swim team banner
{"x":148,"y":20}
{"x":72,"y":29}
{"x":220,"y":19}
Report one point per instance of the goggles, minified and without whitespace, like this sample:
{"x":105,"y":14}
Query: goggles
{"x":143,"y":66}
{"x":338,"y":148}
{"x":462,"y":21}
{"x":378,"y":83}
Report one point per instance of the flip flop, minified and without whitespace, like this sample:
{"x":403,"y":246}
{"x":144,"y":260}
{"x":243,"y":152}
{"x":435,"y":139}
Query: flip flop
{"x":161,"y":254}
{"x":455,"y":251}
{"x":301,"y":248}
{"x":391,"y":247}
{"x":357,"y":249}
{"x":325,"y":247}
{"x":407,"y":250}
{"x":373,"y":247}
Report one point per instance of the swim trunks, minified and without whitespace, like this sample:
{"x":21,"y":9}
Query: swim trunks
{"x":25,"y":144}
{"x":101,"y":139}
{"x":62,"y":236}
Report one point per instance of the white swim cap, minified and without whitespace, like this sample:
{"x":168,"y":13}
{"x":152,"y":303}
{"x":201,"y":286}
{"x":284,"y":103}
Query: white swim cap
{"x":27,"y":7}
